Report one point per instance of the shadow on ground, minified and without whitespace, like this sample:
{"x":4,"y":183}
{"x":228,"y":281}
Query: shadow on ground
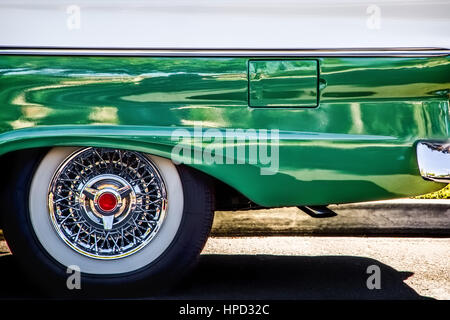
{"x":291,"y":277}
{"x":259,"y":277}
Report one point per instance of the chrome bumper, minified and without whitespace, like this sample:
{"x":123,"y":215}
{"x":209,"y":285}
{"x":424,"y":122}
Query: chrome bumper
{"x":433,"y":159}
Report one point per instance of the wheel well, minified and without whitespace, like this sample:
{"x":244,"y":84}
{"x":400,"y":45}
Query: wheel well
{"x":8,"y":165}
{"x":229,"y":199}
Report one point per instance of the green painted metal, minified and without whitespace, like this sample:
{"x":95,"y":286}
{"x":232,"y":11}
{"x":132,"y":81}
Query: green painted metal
{"x":283,"y":83}
{"x":358,"y":144}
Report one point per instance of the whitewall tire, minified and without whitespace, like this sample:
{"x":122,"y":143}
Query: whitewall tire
{"x":149,"y":228}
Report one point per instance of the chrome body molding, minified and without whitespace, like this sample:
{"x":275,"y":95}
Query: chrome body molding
{"x":385,"y":52}
{"x":434,"y":161}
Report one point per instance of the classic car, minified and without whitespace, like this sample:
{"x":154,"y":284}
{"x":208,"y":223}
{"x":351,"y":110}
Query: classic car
{"x":125,"y":124}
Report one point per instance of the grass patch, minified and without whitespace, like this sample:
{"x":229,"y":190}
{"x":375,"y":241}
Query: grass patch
{"x":441,"y":194}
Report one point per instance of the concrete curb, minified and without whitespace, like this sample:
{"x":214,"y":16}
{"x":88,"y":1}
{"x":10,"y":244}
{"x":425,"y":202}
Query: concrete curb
{"x":404,"y":217}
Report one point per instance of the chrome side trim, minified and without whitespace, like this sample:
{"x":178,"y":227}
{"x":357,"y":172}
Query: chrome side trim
{"x":433,"y":159}
{"x":387,"y":52}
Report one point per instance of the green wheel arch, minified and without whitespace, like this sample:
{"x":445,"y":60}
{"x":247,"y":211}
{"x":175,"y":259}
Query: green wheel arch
{"x":295,"y":186}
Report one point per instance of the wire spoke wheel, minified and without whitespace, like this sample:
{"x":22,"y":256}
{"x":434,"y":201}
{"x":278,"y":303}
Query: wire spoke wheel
{"x":107,"y":203}
{"x":123,"y":218}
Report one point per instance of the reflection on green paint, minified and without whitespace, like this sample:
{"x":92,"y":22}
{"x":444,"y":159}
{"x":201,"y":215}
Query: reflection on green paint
{"x":358,"y":144}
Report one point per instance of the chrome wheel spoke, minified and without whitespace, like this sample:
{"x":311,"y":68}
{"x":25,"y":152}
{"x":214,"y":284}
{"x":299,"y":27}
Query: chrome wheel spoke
{"x":124,"y":191}
{"x":108,"y":222}
{"x":90,"y":192}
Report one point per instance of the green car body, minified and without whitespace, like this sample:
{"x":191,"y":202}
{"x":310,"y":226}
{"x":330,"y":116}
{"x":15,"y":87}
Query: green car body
{"x":347,"y":127}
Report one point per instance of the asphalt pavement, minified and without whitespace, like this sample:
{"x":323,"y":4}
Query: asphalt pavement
{"x":295,"y":268}
{"x":285,"y":254}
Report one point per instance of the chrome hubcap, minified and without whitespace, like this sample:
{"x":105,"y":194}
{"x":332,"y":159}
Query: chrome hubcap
{"x":107,"y":203}
{"x":107,"y":199}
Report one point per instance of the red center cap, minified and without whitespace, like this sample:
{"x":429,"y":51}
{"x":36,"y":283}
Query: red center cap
{"x":107,"y":201}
